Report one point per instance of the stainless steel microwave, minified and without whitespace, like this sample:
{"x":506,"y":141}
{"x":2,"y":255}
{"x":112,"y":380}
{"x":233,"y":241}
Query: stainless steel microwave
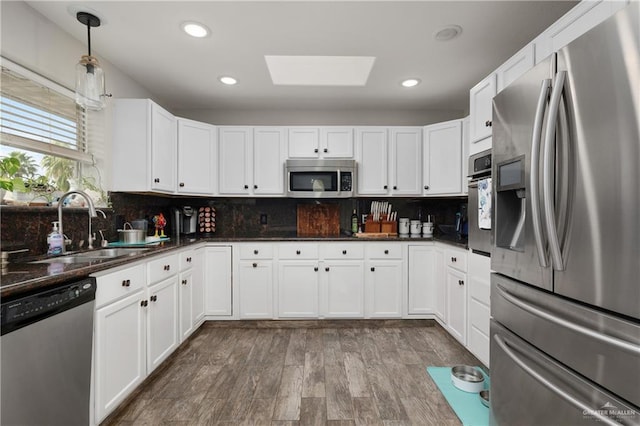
{"x":320,"y":178}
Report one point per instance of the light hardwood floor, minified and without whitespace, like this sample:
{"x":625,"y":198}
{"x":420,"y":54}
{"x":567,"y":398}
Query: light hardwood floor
{"x":301,"y":373}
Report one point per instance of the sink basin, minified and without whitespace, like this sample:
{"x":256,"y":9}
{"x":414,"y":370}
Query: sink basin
{"x":111,"y":252}
{"x":92,"y":256}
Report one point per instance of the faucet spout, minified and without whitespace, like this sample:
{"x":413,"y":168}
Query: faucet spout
{"x":90,"y":205}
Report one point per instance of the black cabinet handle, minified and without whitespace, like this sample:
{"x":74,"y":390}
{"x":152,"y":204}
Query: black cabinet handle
{"x":373,"y":269}
{"x":255,"y":186}
{"x":255,"y":265}
{"x":181,"y":184}
{"x":297,"y":251}
{"x":167,"y":267}
{"x":188,"y":259}
{"x":157,"y":180}
{"x":386,"y":252}
{"x":488,"y":123}
{"x":144,"y":303}
{"x":315,"y":269}
{"x":326,"y":150}
{"x":344,"y":252}
{"x":184,"y":282}
{"x":385,"y":187}
{"x":326,"y":269}
{"x":315,"y":150}
{"x":426,"y":187}
{"x":460,"y":282}
{"x":395,"y":187}
{"x":154,"y":298}
{"x":454,"y":259}
{"x":255,"y":252}
{"x":126,"y":283}
{"x":246,"y":187}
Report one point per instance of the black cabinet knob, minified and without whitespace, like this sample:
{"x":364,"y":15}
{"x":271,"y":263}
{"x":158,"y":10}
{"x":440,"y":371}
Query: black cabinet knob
{"x":255,"y":252}
{"x":373,"y":269}
{"x":181,"y":184}
{"x":255,"y":265}
{"x":184,"y":282}
{"x":154,"y":298}
{"x":188,"y":259}
{"x":454,"y":259}
{"x":386,"y":187}
{"x":246,"y":187}
{"x":326,"y":150}
{"x":297,"y":251}
{"x":344,"y":252}
{"x":386,"y":252}
{"x":426,"y":187}
{"x":126,"y":283}
{"x":315,"y":269}
{"x":315,"y":150}
{"x":156,"y":180}
{"x":144,"y":303}
{"x":395,"y":187}
{"x":460,"y":282}
{"x":255,"y":186}
{"x":326,"y":269}
{"x":488,"y":123}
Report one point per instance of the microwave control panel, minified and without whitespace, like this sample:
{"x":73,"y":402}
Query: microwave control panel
{"x":346,"y":181}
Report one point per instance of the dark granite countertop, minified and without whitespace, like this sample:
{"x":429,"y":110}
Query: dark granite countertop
{"x":23,"y":276}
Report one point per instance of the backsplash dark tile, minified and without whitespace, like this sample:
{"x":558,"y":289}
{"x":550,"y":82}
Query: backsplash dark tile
{"x":235,"y":217}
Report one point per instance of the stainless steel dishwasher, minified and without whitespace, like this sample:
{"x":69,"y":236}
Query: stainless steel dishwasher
{"x":46,"y":349}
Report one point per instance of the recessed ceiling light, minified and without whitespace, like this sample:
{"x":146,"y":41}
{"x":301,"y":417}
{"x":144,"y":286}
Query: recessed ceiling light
{"x":448,"y":33}
{"x":195,"y":29}
{"x":411,"y":82}
{"x":229,"y":81}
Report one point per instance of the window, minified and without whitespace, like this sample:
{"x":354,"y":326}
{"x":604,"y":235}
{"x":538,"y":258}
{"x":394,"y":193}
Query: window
{"x":41,"y":126}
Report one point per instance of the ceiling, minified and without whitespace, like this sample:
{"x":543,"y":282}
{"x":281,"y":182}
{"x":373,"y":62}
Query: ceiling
{"x":145,"y":41}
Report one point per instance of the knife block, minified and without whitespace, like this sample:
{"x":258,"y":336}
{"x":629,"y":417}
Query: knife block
{"x":389,"y":227}
{"x":371,"y":227}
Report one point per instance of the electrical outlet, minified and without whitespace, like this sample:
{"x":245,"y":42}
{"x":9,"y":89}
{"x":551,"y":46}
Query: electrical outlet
{"x":263,"y":218}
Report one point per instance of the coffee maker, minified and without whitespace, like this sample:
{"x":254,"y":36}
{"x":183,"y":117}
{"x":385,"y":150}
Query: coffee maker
{"x":187,"y":220}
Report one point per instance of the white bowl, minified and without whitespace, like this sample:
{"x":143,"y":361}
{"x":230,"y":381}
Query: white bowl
{"x":467,"y":378}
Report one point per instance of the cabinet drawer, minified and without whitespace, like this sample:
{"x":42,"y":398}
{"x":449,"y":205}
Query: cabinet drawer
{"x":456,"y":259}
{"x":118,"y":284}
{"x":384,"y":251}
{"x":298,"y":251}
{"x":186,"y":259}
{"x":256,"y":251}
{"x":342,"y":251}
{"x":162,"y":267}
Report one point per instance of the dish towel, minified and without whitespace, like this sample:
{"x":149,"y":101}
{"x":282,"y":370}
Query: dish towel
{"x":484,"y":203}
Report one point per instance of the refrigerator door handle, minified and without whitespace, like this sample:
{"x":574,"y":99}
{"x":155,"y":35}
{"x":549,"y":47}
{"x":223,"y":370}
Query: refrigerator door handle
{"x":503,"y":344}
{"x":536,"y":140}
{"x":548,"y":171}
{"x":555,"y":319}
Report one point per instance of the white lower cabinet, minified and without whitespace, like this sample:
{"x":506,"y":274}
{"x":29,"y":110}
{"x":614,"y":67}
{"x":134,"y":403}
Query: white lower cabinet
{"x":343,"y":289}
{"x":478,"y":306}
{"x":255,"y":282}
{"x":423,"y":282}
{"x":197,"y":287}
{"x":119,"y":351}
{"x":456,"y":304}
{"x":384,"y":288}
{"x":298,"y":289}
{"x":162,"y":324}
{"x":186,"y":304}
{"x":217,"y":280}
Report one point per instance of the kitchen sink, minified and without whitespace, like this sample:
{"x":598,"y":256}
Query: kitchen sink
{"x":92,"y":256}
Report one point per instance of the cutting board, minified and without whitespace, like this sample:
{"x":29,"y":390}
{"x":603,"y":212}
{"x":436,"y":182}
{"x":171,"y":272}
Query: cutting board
{"x":318,"y":220}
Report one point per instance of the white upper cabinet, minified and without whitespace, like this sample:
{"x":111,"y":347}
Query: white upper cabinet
{"x":144,"y":147}
{"x":234,"y":162}
{"x":584,"y":16}
{"x":373,"y":160}
{"x":268,"y":160}
{"x":406,"y":160}
{"x":442,"y":168}
{"x":480,"y":108}
{"x":516,"y":66}
{"x":197,"y":162}
{"x":320,"y":142}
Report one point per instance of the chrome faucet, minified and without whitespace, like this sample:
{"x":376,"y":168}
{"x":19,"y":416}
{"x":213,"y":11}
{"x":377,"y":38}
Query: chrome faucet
{"x":92,"y":236}
{"x":92,"y":212}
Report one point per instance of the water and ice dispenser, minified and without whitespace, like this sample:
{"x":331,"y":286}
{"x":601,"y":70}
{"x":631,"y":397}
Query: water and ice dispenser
{"x":510,"y":208}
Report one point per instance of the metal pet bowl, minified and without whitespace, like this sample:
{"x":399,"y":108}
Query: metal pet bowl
{"x":467,"y":378}
{"x":484,"y":397}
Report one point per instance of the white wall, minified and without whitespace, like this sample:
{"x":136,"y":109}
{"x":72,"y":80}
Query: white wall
{"x":319,"y":117}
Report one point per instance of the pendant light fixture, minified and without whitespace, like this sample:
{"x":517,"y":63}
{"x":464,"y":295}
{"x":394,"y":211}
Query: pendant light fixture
{"x":90,"y":92}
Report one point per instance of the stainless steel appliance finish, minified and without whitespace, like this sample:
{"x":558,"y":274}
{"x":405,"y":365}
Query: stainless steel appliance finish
{"x":479,"y":168}
{"x":566,"y":165}
{"x":46,"y":356}
{"x":188,"y":220}
{"x":321,"y":178}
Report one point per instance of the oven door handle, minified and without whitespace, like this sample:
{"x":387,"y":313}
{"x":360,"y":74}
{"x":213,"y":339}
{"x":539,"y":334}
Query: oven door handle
{"x":548,"y":170}
{"x":504,"y":345}
{"x":535,"y":171}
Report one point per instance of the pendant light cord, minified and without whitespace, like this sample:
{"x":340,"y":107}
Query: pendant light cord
{"x":89,"y":38}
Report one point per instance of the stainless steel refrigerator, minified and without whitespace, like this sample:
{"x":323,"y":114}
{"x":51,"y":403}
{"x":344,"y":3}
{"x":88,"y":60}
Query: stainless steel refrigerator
{"x":565,"y":298}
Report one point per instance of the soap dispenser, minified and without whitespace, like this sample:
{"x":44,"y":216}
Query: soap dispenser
{"x":55,"y":240}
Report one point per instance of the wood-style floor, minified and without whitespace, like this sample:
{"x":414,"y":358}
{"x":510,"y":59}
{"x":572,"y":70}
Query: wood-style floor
{"x":301,"y":373}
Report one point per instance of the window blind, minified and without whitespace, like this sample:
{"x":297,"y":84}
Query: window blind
{"x":38,"y":115}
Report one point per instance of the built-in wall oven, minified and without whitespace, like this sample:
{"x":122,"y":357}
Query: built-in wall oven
{"x":479,"y":210}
